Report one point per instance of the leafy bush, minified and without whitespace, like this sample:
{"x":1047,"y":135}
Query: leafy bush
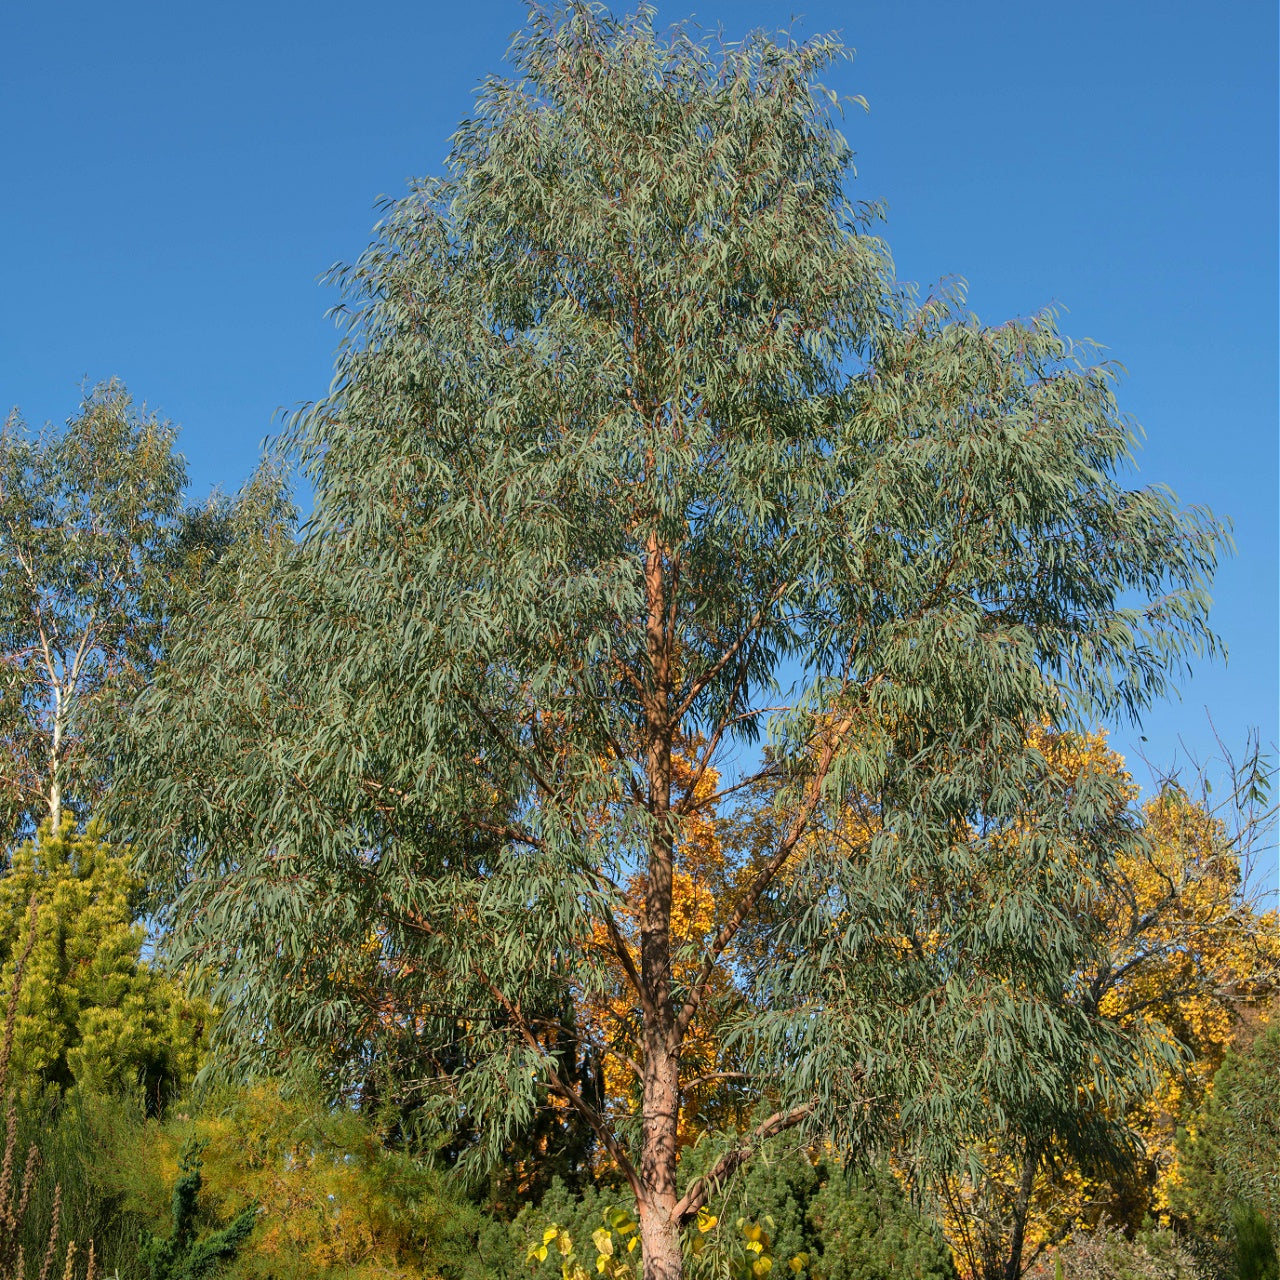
{"x":1105,"y":1254}
{"x":868,"y":1230}
{"x":334,"y":1200}
{"x":1255,"y":1250}
{"x":837,"y":1224}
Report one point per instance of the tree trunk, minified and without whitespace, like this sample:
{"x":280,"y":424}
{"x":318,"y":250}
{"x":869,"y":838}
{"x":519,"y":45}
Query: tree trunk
{"x":1013,"y":1266}
{"x":55,"y":764}
{"x":659,"y":1232}
{"x":660,"y":1241}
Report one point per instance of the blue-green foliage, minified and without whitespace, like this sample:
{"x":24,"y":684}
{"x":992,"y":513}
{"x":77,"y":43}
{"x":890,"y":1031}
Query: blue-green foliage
{"x":632,"y":419}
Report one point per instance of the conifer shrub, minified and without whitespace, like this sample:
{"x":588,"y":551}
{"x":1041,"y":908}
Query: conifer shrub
{"x":1255,"y":1249}
{"x":868,"y":1230}
{"x":92,"y":1013}
{"x":181,"y":1255}
{"x":579,"y":1214}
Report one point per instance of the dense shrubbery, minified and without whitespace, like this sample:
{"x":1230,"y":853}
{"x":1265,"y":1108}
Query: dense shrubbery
{"x":1105,"y":1254}
{"x":840,"y":1224}
{"x":332,"y":1199}
{"x":91,"y":1012}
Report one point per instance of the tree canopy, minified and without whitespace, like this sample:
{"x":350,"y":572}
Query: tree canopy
{"x":636,"y":458}
{"x":88,"y":523}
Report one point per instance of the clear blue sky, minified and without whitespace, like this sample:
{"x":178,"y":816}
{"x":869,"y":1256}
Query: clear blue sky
{"x":175,"y":176}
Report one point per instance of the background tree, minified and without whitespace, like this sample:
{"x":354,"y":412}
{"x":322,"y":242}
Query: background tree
{"x":1185,"y":955}
{"x":706,"y":882}
{"x":98,"y":551}
{"x":1194,"y":952}
{"x":87,"y":517}
{"x":629,"y":417}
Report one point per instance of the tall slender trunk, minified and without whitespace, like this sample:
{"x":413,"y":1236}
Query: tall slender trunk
{"x":55,"y":762}
{"x":1030,"y":1162}
{"x":659,"y":1231}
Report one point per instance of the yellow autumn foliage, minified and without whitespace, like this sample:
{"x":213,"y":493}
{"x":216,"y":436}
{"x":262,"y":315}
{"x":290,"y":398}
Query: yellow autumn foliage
{"x":703,"y":878}
{"x":333,"y":1200}
{"x":1185,"y":959}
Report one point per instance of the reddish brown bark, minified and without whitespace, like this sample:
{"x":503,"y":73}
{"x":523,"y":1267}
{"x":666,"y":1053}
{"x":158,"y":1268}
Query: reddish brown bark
{"x":659,"y":1227}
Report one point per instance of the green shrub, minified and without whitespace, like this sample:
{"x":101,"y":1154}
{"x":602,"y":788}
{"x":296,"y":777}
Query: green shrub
{"x":1255,"y":1249}
{"x":334,"y":1201}
{"x":180,"y":1255}
{"x":1231,"y":1154}
{"x":1105,"y":1254}
{"x":868,"y":1230}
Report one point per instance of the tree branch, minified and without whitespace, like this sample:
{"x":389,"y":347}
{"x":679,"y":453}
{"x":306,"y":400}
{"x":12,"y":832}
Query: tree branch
{"x":753,"y":623}
{"x":627,"y":960}
{"x":556,"y":1084}
{"x":567,"y":1092}
{"x":703,"y":1188}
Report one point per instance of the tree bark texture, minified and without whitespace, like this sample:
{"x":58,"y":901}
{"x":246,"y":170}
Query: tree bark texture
{"x":659,"y":1230}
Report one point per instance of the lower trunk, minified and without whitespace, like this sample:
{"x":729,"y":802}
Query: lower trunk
{"x":659,"y":1230}
{"x":660,"y":1241}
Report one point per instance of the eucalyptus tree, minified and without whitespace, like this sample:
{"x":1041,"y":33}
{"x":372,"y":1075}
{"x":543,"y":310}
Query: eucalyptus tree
{"x":98,"y":551}
{"x":88,"y":521}
{"x":631,"y":426}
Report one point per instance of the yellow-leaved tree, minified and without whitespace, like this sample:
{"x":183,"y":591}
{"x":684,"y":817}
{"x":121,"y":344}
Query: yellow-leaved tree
{"x":707,"y":871}
{"x":1186,"y":955}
